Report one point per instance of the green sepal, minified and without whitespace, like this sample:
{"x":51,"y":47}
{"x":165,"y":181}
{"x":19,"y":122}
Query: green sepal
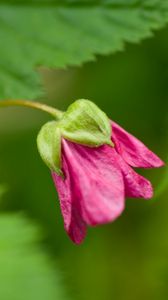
{"x":86,"y":124}
{"x":83,"y":123}
{"x":49,"y":146}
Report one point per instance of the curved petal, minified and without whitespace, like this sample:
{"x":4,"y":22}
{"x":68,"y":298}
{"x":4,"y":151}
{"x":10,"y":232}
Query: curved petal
{"x":96,"y":182}
{"x":133,"y":151}
{"x":73,"y":222}
{"x":136,"y":186}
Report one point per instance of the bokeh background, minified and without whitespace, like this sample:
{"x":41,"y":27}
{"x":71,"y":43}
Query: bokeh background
{"x":128,"y":259}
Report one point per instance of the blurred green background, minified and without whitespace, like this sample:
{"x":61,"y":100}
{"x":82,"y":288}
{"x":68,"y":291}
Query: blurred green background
{"x":128,"y":259}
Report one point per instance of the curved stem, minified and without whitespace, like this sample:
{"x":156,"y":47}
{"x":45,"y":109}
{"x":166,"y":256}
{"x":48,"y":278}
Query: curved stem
{"x":37,"y":105}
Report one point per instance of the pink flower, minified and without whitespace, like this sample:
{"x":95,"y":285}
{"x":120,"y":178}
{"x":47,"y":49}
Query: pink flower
{"x":97,"y":180}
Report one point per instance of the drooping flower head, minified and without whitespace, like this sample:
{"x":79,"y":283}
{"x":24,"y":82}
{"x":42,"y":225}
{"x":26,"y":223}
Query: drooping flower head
{"x":91,"y":160}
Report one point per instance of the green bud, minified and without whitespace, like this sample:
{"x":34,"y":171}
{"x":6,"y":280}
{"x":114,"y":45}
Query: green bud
{"x":83,"y":123}
{"x":49,"y":146}
{"x":86,"y":124}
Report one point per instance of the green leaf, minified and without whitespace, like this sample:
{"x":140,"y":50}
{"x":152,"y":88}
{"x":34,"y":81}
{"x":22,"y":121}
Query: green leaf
{"x":49,"y":146}
{"x":85,"y":123}
{"x":26,"y":272}
{"x":63,"y":33}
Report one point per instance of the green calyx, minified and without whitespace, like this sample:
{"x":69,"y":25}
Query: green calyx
{"x":49,"y":146}
{"x":83,"y":123}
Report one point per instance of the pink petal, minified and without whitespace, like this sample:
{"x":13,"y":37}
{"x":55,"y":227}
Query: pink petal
{"x":136,"y":186}
{"x":133,"y":151}
{"x":73,"y":223}
{"x":96,"y":182}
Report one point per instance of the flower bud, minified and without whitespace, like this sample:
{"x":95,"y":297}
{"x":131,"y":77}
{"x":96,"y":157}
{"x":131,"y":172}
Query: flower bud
{"x":83,"y":123}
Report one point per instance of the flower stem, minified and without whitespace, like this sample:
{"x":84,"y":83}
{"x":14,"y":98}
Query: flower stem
{"x":37,"y":105}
